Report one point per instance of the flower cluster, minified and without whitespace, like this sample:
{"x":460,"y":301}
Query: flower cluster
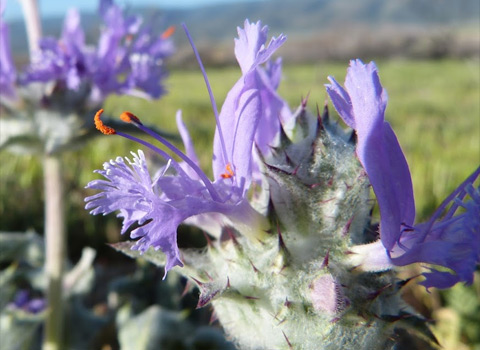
{"x":129,"y":57}
{"x":254,"y":114}
{"x":49,"y":103}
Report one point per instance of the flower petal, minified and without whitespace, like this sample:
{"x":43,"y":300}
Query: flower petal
{"x":73,"y":36}
{"x":188,"y":143}
{"x":341,"y":101}
{"x":378,"y":149}
{"x":241,"y":120}
{"x":453,"y":242}
{"x":250,"y":47}
{"x":252,"y":102}
{"x":7,"y":67}
{"x":160,"y":207}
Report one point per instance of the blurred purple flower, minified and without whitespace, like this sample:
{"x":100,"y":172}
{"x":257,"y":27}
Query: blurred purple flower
{"x":23,"y":301}
{"x":128,"y":60}
{"x":7,"y":68}
{"x":180,"y":191}
{"x":447,"y":242}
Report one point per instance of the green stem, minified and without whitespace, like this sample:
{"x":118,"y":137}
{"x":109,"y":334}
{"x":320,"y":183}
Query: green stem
{"x":54,"y":211}
{"x":55,"y":251}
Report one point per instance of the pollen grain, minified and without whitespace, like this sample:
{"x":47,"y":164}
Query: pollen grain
{"x":228,"y":172}
{"x":168,"y":32}
{"x":102,"y":127}
{"x":129,"y":117}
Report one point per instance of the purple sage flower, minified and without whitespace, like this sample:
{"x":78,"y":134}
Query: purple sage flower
{"x":180,"y":191}
{"x":451,"y":241}
{"x":65,"y":60}
{"x":129,"y":58}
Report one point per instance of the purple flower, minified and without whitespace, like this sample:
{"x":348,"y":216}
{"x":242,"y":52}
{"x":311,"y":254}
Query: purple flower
{"x":251,"y":104}
{"x":445,"y":242}
{"x":129,"y":58}
{"x":64,"y":61}
{"x":146,"y":58}
{"x":24,"y":302}
{"x":180,"y":191}
{"x":362,"y":107}
{"x":7,"y":68}
{"x":452,"y":241}
{"x":160,"y":204}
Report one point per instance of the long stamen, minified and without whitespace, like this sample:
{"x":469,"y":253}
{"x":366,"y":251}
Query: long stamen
{"x":110,"y":131}
{"x":228,"y":172}
{"x":210,"y":93}
{"x":131,"y":118}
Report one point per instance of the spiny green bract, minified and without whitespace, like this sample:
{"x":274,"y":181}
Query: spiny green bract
{"x":294,"y":287}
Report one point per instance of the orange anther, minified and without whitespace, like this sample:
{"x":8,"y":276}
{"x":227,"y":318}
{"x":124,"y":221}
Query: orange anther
{"x":168,"y":32}
{"x":129,"y":38}
{"x":100,"y":126}
{"x":228,"y":172}
{"x":129,"y":117}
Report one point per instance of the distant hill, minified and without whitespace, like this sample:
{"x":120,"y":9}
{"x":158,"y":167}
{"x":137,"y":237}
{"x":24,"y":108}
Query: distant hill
{"x":318,"y":29}
{"x":307,"y":16}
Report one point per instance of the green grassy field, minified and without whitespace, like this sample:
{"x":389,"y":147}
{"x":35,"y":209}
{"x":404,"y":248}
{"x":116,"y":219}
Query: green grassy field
{"x":434,"y":107}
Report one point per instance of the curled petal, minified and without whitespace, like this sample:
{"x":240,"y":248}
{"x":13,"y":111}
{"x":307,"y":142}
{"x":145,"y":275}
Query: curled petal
{"x":250,"y":47}
{"x":439,"y":279}
{"x":362,"y":105}
{"x":452,"y":242}
{"x":341,"y":101}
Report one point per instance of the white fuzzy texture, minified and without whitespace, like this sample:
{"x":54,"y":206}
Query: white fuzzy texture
{"x":303,"y":289}
{"x":370,"y":257}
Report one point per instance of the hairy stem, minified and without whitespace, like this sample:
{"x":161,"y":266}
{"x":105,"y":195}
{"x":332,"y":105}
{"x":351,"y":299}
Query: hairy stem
{"x":54,"y":214}
{"x":55,"y":250}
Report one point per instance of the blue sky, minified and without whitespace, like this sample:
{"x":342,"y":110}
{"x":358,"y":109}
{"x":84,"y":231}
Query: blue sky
{"x":58,"y":8}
